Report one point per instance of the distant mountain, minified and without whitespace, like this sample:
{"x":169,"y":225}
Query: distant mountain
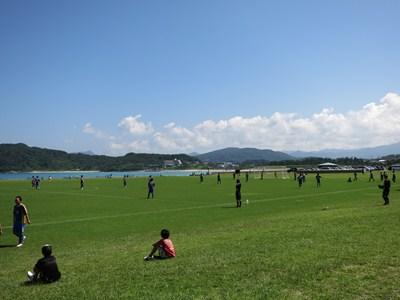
{"x":368,"y":153}
{"x":20,"y":157}
{"x":240,"y":155}
{"x":88,"y":152}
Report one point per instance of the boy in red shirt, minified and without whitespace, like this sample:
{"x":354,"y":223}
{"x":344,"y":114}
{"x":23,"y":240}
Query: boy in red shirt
{"x":164,"y":246}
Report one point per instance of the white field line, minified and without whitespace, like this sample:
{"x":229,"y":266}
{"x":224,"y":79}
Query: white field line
{"x":188,"y":208}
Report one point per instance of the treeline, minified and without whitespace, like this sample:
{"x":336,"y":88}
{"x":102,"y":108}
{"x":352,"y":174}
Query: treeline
{"x":20,"y":157}
{"x":314,"y":161}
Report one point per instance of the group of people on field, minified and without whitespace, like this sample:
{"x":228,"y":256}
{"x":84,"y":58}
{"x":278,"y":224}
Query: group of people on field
{"x":46,"y":269}
{"x":35,"y":181}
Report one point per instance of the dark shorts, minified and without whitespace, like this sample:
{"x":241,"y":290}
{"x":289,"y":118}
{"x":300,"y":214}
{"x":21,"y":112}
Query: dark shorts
{"x":18,"y":229}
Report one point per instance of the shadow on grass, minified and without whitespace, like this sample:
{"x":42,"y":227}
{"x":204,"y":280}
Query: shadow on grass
{"x":38,"y":282}
{"x":7,"y":246}
{"x":229,"y":207}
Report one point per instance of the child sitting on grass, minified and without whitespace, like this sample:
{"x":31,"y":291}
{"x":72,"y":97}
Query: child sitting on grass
{"x":46,"y":269}
{"x":164,"y":246}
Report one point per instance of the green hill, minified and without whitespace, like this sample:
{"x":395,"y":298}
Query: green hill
{"x":20,"y":157}
{"x":240,"y":155}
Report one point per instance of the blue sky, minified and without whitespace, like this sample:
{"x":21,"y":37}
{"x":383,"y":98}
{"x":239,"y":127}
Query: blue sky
{"x":184,"y":76}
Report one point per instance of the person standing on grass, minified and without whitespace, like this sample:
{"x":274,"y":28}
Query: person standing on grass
{"x":219,"y":179}
{"x":201,"y":178}
{"x":150,"y":187}
{"x":238,"y":193}
{"x":37,"y":183}
{"x":318,"y":178}
{"x":46,"y":268}
{"x":82,"y":182}
{"x":394,"y":177}
{"x":124,"y":181}
{"x":371,"y":176}
{"x":21,"y":218}
{"x":247,"y":176}
{"x":355,"y":176}
{"x":386,"y":189}
{"x":300,"y":179}
{"x":165,"y":247}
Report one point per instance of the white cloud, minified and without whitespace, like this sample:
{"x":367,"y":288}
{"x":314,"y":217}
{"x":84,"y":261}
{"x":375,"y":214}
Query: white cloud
{"x":89,"y":129}
{"x":134,"y":126}
{"x":376,"y":123}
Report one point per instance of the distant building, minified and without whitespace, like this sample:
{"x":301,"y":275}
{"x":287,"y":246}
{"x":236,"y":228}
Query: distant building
{"x":172,"y":163}
{"x":327,"y":166}
{"x":396,"y":167}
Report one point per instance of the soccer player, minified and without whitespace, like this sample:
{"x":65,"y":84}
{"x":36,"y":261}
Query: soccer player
{"x":37,"y":183}
{"x":201,"y":178}
{"x":355,"y":176}
{"x":318,"y":178}
{"x":124,"y":181}
{"x":82,"y":183}
{"x":371,"y":176}
{"x":164,"y":246}
{"x":21,"y":218}
{"x":219,"y":179}
{"x":300,"y":179}
{"x":238,"y":194}
{"x":150,"y":187}
{"x":247,"y":176}
{"x":46,"y":269}
{"x":386,"y":189}
{"x":394,"y":177}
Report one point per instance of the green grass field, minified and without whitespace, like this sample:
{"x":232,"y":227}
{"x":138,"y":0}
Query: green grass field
{"x":334,"y":242}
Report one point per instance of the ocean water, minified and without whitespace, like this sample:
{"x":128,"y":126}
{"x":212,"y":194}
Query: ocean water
{"x":94,"y":174}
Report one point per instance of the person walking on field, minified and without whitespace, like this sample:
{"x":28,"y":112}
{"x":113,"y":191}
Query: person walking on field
{"x":218,"y":179}
{"x":386,"y":189}
{"x":238,"y":193}
{"x":124,"y":181}
{"x":371,"y":176}
{"x":355,"y":176}
{"x":150,"y":187}
{"x":82,"y":182}
{"x":318,"y":178}
{"x":21,"y":218}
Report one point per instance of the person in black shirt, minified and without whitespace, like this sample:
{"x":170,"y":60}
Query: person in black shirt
{"x":371,"y":176}
{"x":386,"y":189}
{"x":218,"y":179}
{"x":318,"y":178}
{"x":46,"y":269}
{"x":20,"y":219}
{"x":238,"y":194}
{"x":150,"y":187}
{"x":124,"y":182}
{"x":82,"y":182}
